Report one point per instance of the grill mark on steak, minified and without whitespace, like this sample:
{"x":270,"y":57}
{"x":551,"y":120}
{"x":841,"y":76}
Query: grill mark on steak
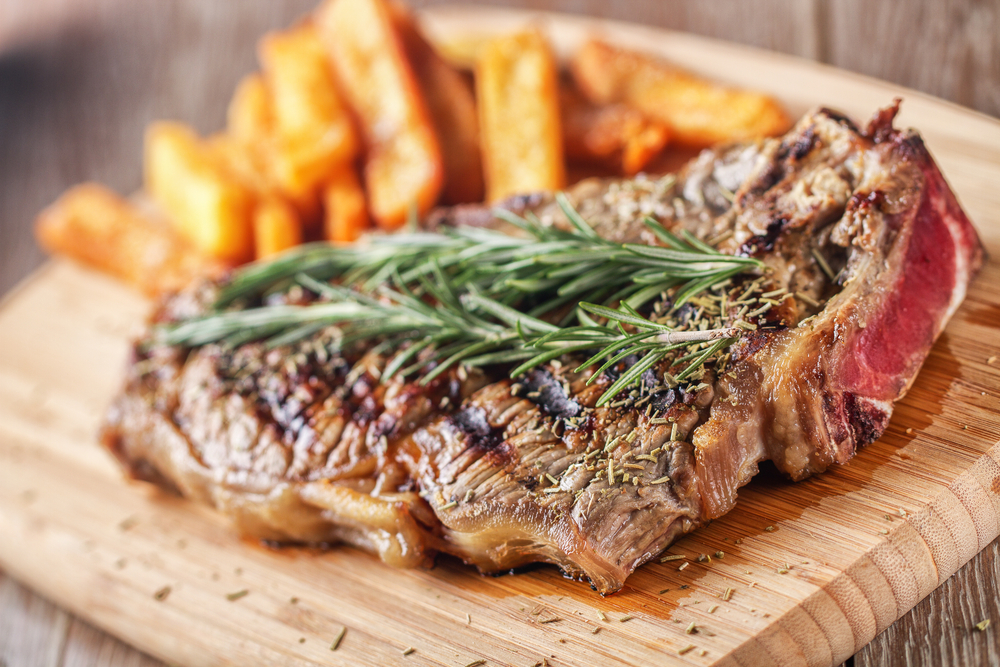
{"x":758,"y":245}
{"x":323,"y":450}
{"x":472,"y":422}
{"x":542,"y":389}
{"x":834,"y":115}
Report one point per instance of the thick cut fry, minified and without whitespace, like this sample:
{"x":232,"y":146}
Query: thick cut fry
{"x":97,"y":227}
{"x":698,"y":112}
{"x":615,"y":135}
{"x":276,"y":227}
{"x":253,"y":166}
{"x":248,"y":146}
{"x":208,"y":205}
{"x":250,"y":117}
{"x":244,"y":162}
{"x":345,"y":213}
{"x":314,"y":132}
{"x":453,"y":110}
{"x":461,"y":51}
{"x":518,"y":95}
{"x":403,"y":164}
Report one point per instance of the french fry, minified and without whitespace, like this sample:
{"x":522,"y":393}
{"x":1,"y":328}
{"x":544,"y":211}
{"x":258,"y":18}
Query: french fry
{"x":276,"y":227}
{"x":345,"y":214}
{"x":97,"y":227}
{"x":244,"y":162}
{"x":207,"y":204}
{"x":403,"y":164}
{"x":247,"y":145}
{"x":461,"y":51}
{"x":314,"y":132}
{"x":518,"y":95}
{"x":615,"y":135}
{"x":452,"y":108}
{"x":250,"y":116}
{"x":277,"y":220}
{"x":250,"y":149}
{"x":698,"y":112}
{"x":253,"y":166}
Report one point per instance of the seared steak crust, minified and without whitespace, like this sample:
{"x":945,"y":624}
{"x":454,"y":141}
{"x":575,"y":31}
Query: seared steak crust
{"x":869,"y":255}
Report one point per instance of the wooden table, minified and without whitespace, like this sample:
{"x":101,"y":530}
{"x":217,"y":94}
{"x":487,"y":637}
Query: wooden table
{"x":79,"y":79}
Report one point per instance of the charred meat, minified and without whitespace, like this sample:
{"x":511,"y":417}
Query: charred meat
{"x":868,"y":256}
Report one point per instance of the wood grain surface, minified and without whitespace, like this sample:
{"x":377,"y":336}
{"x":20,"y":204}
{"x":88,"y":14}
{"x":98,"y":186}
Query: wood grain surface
{"x":816,"y":569}
{"x":79,"y":79}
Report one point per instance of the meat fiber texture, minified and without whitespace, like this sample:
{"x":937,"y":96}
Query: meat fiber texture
{"x":869,"y":255}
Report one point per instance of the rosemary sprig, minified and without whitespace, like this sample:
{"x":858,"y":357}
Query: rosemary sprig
{"x":544,"y":261}
{"x":481,"y":297}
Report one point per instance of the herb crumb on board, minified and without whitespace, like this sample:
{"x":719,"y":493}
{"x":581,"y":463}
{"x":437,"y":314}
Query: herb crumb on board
{"x":339,"y":638}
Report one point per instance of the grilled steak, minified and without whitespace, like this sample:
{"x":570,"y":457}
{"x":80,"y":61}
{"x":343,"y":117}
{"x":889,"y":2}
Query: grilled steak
{"x":869,"y":255}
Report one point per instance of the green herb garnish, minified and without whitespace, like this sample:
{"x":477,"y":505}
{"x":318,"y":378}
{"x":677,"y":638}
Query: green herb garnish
{"x":481,"y":297}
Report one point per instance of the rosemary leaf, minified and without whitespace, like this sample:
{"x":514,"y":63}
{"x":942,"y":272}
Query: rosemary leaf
{"x":478,"y":296}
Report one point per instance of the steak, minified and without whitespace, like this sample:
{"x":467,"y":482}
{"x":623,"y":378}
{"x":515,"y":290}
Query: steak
{"x":869,"y":254}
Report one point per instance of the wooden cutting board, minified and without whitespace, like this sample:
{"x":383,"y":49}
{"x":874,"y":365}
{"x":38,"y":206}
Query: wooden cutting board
{"x":815,"y":569}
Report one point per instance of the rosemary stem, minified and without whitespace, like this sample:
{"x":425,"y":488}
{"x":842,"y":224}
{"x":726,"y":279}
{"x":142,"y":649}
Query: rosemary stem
{"x":674,"y":337}
{"x":478,"y":296}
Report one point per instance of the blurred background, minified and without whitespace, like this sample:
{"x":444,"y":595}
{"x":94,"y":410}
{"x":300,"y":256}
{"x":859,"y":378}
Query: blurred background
{"x":80,"y":79}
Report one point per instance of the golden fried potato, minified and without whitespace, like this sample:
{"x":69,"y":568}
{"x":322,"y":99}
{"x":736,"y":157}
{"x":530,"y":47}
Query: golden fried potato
{"x":518,"y":95}
{"x":208,"y":205}
{"x":614,"y":135}
{"x":461,"y":51}
{"x":93,"y":225}
{"x":697,"y":112}
{"x":345,"y":214}
{"x":453,"y":110}
{"x":248,"y":146}
{"x":403,"y":166}
{"x":250,"y":116}
{"x":244,"y":162}
{"x":314,"y":132}
{"x":276,"y":227}
{"x":254,"y":166}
